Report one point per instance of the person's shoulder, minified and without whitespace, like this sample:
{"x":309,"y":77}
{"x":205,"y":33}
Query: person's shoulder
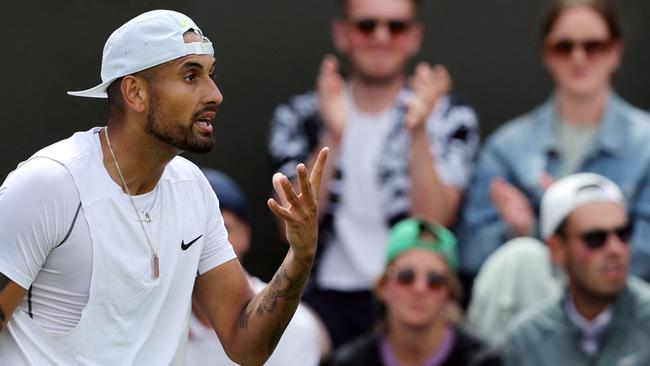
{"x":360,"y":351}
{"x":629,"y":112}
{"x":78,"y":146}
{"x":636,"y":121}
{"x":537,"y":322}
{"x":520,"y":129}
{"x":181,"y":170}
{"x":31,"y":174}
{"x":181,"y":167}
{"x":640,"y":291}
{"x":456,"y":108}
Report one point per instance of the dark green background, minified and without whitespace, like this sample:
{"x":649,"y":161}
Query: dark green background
{"x":266,"y":51}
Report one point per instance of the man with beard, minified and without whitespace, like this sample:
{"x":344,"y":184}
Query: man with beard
{"x":604,"y":318}
{"x":103,"y":236}
{"x":403,"y":147}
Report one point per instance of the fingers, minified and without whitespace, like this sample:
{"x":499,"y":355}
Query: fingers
{"x":278,"y":210}
{"x":329,"y":64}
{"x":546,"y":181}
{"x":277,"y":186}
{"x":317,"y":172}
{"x":329,"y":81}
{"x":285,"y":186}
{"x":305,"y":186}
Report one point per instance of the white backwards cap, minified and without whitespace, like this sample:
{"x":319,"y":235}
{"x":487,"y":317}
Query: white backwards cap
{"x":148,"y":40}
{"x":571,"y":192}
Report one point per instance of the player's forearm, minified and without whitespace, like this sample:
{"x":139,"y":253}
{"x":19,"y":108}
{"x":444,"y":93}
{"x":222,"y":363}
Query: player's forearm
{"x":10,"y":296}
{"x":267,"y":315}
{"x":430,"y":197}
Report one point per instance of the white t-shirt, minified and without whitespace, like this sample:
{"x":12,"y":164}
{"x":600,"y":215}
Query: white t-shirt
{"x":70,"y":236}
{"x":298,"y":346}
{"x":354,"y":258}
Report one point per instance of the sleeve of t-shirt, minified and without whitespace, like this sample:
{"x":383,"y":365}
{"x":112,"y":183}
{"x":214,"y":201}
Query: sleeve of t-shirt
{"x":453,"y":130}
{"x":38,"y":202}
{"x":216,"y":248}
{"x":289,"y":141}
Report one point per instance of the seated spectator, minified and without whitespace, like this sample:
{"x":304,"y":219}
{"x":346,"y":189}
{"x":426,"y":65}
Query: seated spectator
{"x":604,"y":317}
{"x":415,"y":290}
{"x":401,"y":146}
{"x":583,"y":127}
{"x":517,"y":277}
{"x":305,"y":340}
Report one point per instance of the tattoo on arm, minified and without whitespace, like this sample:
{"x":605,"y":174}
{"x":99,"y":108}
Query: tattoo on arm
{"x":282,"y":287}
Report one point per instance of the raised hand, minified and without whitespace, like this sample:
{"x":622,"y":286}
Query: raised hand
{"x":429,"y":84}
{"x":299,"y":210}
{"x":331,"y":102}
{"x":513,"y":207}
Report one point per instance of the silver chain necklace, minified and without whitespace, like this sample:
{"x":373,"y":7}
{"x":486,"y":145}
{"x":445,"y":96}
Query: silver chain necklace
{"x":154,"y":248}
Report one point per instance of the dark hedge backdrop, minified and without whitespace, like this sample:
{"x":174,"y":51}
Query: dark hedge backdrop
{"x":266,"y":51}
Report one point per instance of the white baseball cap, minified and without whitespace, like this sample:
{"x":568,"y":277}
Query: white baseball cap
{"x":571,"y":192}
{"x":147,"y":40}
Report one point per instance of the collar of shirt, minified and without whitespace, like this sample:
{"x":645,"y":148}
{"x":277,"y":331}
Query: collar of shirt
{"x":591,"y":331}
{"x":610,"y":138}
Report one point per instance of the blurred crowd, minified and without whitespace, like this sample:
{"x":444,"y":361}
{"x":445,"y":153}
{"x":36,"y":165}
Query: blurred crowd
{"x":532,"y":248}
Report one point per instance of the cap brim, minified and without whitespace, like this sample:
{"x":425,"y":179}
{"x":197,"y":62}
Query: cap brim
{"x":98,"y":91}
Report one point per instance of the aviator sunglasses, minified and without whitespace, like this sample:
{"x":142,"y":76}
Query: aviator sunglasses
{"x":395,"y":26}
{"x":595,"y":239}
{"x":406,"y":276}
{"x":591,"y":47}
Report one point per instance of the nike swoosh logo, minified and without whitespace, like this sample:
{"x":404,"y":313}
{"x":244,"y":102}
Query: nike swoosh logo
{"x":186,"y":246}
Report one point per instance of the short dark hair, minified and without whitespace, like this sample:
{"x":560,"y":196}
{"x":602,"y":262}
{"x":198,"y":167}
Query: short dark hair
{"x":343,"y":7}
{"x":115,"y":99}
{"x":114,"y":91}
{"x":605,"y":8}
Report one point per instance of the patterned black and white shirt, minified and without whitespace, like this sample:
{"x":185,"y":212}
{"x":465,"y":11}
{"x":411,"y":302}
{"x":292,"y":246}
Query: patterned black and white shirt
{"x":453,"y":132}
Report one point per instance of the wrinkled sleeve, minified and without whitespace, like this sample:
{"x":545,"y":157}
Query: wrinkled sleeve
{"x":38,"y":202}
{"x":453,"y":130}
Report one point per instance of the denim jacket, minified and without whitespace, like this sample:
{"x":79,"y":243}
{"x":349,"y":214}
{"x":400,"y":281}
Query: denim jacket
{"x":523,"y":150}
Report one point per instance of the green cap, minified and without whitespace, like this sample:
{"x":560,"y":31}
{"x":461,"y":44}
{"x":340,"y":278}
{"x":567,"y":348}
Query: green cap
{"x":405,"y":235}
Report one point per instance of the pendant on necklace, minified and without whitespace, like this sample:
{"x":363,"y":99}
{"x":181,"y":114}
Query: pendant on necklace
{"x":156,"y":268}
{"x":147,"y":217}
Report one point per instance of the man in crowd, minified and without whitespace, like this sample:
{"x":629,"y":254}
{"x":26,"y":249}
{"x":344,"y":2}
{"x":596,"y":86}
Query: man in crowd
{"x":604,"y":317}
{"x":402,"y":147}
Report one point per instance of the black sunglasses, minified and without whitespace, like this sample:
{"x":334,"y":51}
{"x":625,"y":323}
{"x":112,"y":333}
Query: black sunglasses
{"x":595,"y":239}
{"x":591,"y":47}
{"x":395,"y":26}
{"x":406,"y":276}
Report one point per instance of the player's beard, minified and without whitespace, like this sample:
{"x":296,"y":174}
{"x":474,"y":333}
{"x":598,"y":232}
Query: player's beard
{"x":175,"y":133}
